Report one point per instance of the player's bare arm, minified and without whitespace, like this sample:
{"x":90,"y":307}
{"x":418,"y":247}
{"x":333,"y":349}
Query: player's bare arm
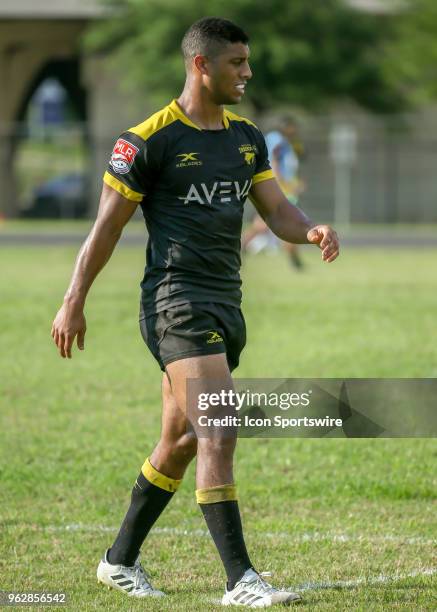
{"x":113,"y":214}
{"x":290,"y":223}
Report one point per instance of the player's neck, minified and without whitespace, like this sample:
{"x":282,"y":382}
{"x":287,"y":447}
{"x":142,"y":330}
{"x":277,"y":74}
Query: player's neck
{"x":201,"y":110}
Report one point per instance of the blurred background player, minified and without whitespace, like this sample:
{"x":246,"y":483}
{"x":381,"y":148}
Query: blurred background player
{"x":285,"y":152}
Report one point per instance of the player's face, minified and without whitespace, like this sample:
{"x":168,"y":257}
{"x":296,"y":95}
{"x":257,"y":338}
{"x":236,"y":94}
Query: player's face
{"x":229,"y":73}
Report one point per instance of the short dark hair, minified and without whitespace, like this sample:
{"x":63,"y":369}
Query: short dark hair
{"x":209,"y":35}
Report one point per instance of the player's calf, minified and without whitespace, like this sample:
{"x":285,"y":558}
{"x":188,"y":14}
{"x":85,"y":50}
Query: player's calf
{"x":215,"y":458}
{"x":172,"y":456}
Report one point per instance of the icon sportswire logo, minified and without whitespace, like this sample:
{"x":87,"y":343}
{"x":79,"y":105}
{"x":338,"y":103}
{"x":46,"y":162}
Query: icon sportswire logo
{"x":213,"y":337}
{"x":188,"y":159}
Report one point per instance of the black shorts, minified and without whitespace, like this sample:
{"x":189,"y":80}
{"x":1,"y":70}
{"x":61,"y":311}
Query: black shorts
{"x":197,"y":328}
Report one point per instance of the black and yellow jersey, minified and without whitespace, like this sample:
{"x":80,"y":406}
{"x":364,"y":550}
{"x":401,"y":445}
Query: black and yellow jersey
{"x":192,"y":185}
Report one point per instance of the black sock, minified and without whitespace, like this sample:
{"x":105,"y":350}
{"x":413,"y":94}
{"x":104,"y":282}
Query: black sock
{"x":224,"y":523}
{"x":147,"y":503}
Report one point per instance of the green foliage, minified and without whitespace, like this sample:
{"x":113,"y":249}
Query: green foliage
{"x":302,"y":53}
{"x":411,"y":59}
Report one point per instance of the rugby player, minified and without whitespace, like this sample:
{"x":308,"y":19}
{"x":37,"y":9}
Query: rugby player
{"x":285,"y":151}
{"x":190,"y":167}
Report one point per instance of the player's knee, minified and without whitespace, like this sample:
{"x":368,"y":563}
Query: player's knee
{"x":180,"y":449}
{"x":186,"y":446}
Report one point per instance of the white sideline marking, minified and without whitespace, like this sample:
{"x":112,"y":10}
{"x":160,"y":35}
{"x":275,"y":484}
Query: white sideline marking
{"x":366,"y":581}
{"x":351,"y":584}
{"x":302,"y":537}
{"x":305,"y":537}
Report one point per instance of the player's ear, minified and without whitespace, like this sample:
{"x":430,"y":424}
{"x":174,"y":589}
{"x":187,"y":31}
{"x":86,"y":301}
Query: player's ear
{"x":201,"y":64}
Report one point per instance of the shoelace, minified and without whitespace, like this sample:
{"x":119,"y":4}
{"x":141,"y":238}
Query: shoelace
{"x":258,"y":584}
{"x":142,"y":578}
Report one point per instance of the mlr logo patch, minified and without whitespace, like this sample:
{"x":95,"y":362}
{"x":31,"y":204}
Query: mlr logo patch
{"x":123,"y":156}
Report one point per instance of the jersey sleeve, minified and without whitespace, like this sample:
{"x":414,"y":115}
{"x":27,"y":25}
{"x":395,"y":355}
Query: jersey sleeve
{"x":128,"y":170}
{"x":263,"y":170}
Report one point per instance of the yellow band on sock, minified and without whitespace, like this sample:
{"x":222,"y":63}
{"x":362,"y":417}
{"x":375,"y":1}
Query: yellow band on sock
{"x":213,"y":495}
{"x":159,"y":480}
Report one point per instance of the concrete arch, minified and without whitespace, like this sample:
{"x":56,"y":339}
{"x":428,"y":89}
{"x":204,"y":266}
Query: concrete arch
{"x":67,"y":72}
{"x":30,"y":51}
{"x":42,"y":37}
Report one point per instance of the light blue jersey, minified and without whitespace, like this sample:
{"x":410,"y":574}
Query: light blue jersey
{"x":281,"y":151}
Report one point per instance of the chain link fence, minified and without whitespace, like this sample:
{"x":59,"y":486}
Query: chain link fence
{"x":356,"y":169}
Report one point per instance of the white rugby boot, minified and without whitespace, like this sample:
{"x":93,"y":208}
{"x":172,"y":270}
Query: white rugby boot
{"x":133,"y":581}
{"x":254,"y":592}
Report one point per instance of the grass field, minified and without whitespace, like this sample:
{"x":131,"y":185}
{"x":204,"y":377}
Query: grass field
{"x":350,"y":522}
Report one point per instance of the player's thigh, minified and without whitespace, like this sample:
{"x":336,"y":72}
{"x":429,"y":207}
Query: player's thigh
{"x":174,"y":420}
{"x":203,"y":376}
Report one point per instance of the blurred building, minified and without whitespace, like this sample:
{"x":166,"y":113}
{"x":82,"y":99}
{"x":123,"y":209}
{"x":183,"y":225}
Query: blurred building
{"x":363,"y":168}
{"x":359,"y":167}
{"x":40,"y":43}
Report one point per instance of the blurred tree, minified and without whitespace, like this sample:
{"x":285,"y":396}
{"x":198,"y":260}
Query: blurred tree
{"x":410,"y":59}
{"x":302,"y":53}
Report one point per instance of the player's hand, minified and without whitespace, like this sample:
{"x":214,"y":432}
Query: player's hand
{"x":327,"y":240}
{"x":69,"y":323}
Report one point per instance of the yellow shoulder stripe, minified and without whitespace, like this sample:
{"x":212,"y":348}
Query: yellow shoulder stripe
{"x":177,"y":113}
{"x":233,"y":117}
{"x":153,"y":124}
{"x":262,"y":176}
{"x":122,"y":189}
